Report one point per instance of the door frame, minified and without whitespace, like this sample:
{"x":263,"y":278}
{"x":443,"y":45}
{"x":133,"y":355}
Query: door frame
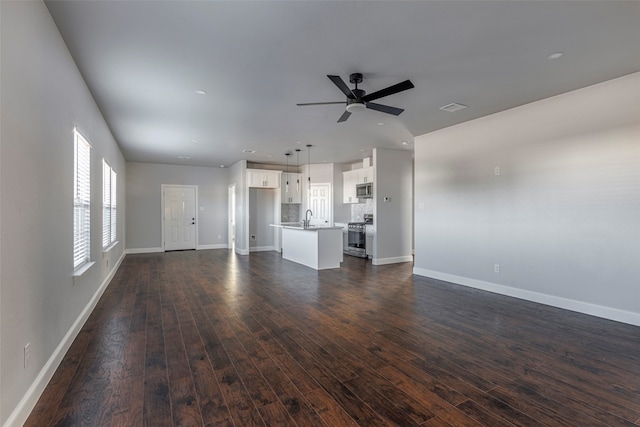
{"x":165,"y":186}
{"x":232,"y":220}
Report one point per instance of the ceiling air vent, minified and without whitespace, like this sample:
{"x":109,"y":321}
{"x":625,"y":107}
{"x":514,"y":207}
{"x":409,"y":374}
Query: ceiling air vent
{"x":453,"y":107}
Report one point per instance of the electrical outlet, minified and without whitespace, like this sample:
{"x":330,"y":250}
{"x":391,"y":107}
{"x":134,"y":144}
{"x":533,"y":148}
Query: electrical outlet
{"x":496,"y":170}
{"x":253,"y":237}
{"x":496,"y":268}
{"x":219,"y":237}
{"x":27,"y":354}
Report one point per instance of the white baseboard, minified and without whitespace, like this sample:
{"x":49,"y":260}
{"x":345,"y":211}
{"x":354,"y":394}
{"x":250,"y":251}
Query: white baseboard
{"x":242,"y":251}
{"x":262,"y":248}
{"x":615,"y":314}
{"x":216,"y":246}
{"x":392,"y":260}
{"x":143,"y":250}
{"x":29,"y":400}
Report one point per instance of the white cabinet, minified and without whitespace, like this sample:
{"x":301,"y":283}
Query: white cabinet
{"x":293,"y":192}
{"x":364,"y":175}
{"x":349,"y":179}
{"x":262,"y":178}
{"x":352,"y":178}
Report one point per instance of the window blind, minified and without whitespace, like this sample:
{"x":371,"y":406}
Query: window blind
{"x":81,"y":201}
{"x":114,"y":199}
{"x":109,"y":198}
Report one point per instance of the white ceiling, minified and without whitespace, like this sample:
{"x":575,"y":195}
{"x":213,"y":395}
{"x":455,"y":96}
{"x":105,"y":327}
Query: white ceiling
{"x":144,"y":60}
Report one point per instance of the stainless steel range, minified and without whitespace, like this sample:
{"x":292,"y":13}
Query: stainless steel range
{"x":356,"y":242}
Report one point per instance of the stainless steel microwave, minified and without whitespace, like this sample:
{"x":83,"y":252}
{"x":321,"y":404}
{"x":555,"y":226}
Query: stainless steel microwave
{"x":364,"y":191}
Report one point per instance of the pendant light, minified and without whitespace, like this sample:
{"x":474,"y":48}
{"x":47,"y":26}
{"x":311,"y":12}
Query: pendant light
{"x":286,"y":188}
{"x":309,"y":162}
{"x":297,"y":168}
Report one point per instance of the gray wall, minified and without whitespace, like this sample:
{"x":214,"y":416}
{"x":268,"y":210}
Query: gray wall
{"x":563,"y":217}
{"x":261,"y":213}
{"x":238,"y":177}
{"x":393,"y":173}
{"x":43,"y":98}
{"x":144,"y":202}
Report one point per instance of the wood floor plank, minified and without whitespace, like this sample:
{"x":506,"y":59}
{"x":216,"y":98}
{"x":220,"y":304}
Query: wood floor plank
{"x":210,"y":338}
{"x":579,"y":399}
{"x":389,"y":401}
{"x":288,"y":395}
{"x":329,"y":410}
{"x":211,"y":400}
{"x":238,"y":400}
{"x":482,"y":414}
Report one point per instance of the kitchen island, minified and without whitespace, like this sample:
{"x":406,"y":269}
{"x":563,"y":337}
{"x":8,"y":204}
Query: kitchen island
{"x":316,"y":247}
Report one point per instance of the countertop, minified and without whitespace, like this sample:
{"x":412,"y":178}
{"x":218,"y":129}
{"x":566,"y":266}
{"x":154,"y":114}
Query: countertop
{"x":298,"y":226}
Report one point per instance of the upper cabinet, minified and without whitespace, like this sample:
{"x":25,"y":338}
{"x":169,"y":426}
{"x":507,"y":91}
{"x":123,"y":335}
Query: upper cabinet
{"x":364,"y":175}
{"x":262,"y":178}
{"x":291,"y":193}
{"x":352,"y":178}
{"x":349,"y":179}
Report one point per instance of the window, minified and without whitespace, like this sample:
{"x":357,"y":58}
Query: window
{"x":108,"y":205}
{"x":81,"y":201}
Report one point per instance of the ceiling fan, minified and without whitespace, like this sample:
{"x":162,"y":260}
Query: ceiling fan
{"x":358,"y":100}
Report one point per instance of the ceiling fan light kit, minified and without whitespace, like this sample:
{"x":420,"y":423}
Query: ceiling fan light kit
{"x":355,"y":106}
{"x":358,"y":100}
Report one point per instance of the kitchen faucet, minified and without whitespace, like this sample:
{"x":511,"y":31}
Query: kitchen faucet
{"x":306,"y":221}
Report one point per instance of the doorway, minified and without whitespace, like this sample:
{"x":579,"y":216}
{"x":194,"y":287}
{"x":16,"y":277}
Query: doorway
{"x":179,"y":217}
{"x":232,"y":217}
{"x":320,"y":204}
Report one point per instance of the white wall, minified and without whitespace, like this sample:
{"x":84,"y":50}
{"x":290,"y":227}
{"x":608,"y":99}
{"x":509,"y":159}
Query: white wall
{"x":43,"y":98}
{"x":392,"y":219}
{"x":144,"y":203}
{"x":562,"y":219}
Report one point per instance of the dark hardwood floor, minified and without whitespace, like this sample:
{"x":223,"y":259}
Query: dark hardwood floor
{"x":215,"y":339}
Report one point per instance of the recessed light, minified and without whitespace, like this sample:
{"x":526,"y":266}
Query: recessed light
{"x":248,"y":151}
{"x":380,"y":124}
{"x":195,"y":141}
{"x":555,"y":55}
{"x":201,"y":92}
{"x":221,"y":166}
{"x":184,"y":157}
{"x":405,"y":143}
{"x":299,"y":142}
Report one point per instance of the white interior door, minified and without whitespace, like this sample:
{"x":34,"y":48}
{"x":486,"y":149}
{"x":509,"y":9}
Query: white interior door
{"x":179,"y":218}
{"x":320,"y":204}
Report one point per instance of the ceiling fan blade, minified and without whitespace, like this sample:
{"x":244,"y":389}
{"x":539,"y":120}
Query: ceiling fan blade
{"x":384,"y":108}
{"x":389,"y":91}
{"x":337,"y":80}
{"x":344,"y":116}
{"x":321,"y":103}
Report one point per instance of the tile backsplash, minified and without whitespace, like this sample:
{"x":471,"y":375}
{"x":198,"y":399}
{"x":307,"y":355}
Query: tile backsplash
{"x":290,"y":212}
{"x":359,"y":209}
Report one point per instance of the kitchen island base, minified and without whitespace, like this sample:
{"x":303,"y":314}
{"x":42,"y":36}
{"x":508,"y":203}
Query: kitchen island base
{"x":319,"y":248}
